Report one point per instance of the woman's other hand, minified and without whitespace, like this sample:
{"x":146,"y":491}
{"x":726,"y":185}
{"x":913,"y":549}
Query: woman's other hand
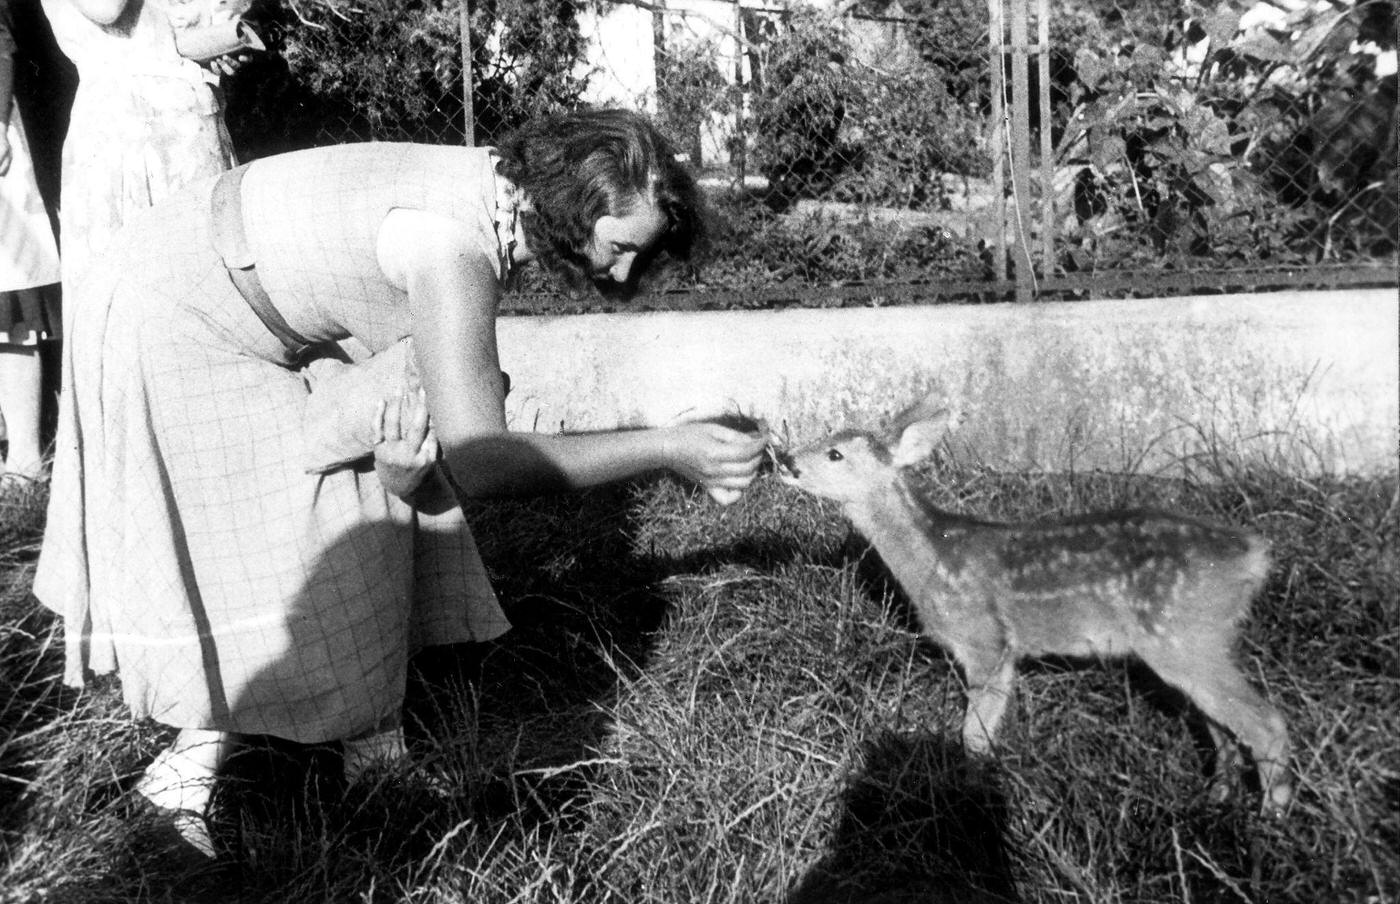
{"x":229,"y":63}
{"x":722,"y":460}
{"x":405,"y":449}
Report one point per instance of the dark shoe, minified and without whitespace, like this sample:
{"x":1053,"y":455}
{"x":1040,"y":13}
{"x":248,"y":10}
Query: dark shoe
{"x":178,"y":839}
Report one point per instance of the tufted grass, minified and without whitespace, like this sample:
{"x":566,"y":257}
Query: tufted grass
{"x":730,"y":705}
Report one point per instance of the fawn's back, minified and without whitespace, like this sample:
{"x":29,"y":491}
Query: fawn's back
{"x":1100,"y":585}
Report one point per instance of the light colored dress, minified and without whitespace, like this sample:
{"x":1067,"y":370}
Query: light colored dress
{"x":187,"y":545}
{"x":145,"y":122}
{"x":29,"y":268}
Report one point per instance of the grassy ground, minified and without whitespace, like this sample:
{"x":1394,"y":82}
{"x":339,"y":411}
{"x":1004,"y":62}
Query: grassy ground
{"x":728,"y":705}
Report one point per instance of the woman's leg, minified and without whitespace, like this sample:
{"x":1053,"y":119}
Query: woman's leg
{"x":21,"y":396}
{"x":382,"y":745}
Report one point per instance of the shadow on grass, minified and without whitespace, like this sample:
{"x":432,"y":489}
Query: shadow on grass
{"x":501,"y":734}
{"x":919,"y":822}
{"x":32,"y":695}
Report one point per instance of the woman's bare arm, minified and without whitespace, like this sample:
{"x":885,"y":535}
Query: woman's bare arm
{"x":453,"y":293}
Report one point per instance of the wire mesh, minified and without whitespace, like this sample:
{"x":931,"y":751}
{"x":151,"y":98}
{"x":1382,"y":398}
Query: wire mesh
{"x":858,"y":146}
{"x":1228,"y":140}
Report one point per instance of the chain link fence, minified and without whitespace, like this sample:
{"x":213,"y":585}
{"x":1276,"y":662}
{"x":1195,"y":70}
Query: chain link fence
{"x":847,"y":155}
{"x":897,"y":150}
{"x":1244,"y":143}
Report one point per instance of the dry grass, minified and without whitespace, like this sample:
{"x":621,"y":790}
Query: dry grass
{"x":728,"y":705}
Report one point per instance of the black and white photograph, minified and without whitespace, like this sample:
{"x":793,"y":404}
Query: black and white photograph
{"x":699,"y":452}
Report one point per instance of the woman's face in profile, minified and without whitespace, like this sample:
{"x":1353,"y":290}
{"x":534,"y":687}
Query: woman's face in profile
{"x":619,"y":241}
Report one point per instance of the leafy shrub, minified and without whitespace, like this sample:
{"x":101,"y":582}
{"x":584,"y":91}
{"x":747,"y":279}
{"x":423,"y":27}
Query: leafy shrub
{"x":910,"y":131}
{"x":690,"y":89}
{"x":1184,"y":160}
{"x":380,"y":70}
{"x":392,"y":70}
{"x":757,"y":247}
{"x":1327,"y":124}
{"x":800,"y":105}
{"x":951,"y":35}
{"x":1154,"y":157}
{"x":826,"y":123}
{"x":529,"y":64}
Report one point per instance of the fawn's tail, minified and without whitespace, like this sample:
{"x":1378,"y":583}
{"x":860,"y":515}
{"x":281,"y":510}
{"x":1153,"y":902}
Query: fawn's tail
{"x":1257,"y":559}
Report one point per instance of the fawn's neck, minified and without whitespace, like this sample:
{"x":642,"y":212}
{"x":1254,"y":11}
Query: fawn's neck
{"x":915,"y":540}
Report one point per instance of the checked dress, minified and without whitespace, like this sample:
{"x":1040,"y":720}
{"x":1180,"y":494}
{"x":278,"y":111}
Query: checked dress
{"x":188,"y":548}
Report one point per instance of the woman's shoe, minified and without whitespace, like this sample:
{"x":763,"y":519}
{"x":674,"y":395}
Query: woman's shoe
{"x":180,"y":788}
{"x":373,"y":752}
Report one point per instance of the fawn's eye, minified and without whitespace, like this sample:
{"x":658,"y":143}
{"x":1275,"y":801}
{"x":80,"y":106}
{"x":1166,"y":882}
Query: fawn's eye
{"x":833,"y":455}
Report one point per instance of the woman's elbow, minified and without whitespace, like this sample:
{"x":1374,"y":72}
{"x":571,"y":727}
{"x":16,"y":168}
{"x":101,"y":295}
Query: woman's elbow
{"x":472,"y":483}
{"x":493,"y":467}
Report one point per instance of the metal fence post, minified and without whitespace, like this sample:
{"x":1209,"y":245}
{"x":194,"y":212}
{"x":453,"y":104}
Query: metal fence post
{"x":464,"y":14}
{"x":1021,"y":148}
{"x":996,"y":227}
{"x":739,"y":148}
{"x":1047,"y":151}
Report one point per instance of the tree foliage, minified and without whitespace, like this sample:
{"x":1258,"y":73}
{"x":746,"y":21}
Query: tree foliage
{"x":392,"y":70}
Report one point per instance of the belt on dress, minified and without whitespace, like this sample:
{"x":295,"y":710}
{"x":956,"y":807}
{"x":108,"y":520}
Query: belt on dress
{"x":231,"y":243}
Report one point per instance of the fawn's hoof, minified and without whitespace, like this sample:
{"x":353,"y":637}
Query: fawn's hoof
{"x":1220,"y":790}
{"x":977,"y":743}
{"x":1277,"y":799}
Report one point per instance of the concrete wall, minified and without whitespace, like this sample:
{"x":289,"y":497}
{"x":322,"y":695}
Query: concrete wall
{"x":1308,"y":380}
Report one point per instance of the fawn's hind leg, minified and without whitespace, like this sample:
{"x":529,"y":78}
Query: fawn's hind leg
{"x":1228,"y":761}
{"x":991,"y":676}
{"x":1205,"y":672}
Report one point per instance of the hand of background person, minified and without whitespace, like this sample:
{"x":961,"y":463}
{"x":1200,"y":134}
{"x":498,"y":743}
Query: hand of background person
{"x":722,"y":460}
{"x":405,"y":448}
{"x":5,"y":152}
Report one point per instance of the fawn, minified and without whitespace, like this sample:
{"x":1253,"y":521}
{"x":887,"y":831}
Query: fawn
{"x":1169,"y":590}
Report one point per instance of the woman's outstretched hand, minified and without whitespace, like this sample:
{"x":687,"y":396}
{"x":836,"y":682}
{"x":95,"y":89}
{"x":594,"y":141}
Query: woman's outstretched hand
{"x":405,"y":448}
{"x":722,"y":460}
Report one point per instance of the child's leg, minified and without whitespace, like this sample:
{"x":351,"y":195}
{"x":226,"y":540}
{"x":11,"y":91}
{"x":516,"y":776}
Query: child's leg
{"x":21,"y":396}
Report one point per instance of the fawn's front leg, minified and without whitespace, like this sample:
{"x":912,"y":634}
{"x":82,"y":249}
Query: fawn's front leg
{"x":991,"y":676}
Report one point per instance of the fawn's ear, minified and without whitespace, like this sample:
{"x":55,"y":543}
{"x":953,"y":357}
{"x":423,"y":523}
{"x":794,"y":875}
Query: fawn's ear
{"x":917,"y":439}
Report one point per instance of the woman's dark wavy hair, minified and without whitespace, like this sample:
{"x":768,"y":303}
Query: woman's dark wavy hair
{"x":577,"y":167}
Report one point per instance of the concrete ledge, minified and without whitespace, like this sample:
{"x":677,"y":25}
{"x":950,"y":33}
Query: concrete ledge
{"x":1306,"y":380}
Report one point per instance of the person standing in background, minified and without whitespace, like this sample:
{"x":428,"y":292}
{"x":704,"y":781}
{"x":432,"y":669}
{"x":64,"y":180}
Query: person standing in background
{"x":146,"y":121}
{"x":29,"y":274}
